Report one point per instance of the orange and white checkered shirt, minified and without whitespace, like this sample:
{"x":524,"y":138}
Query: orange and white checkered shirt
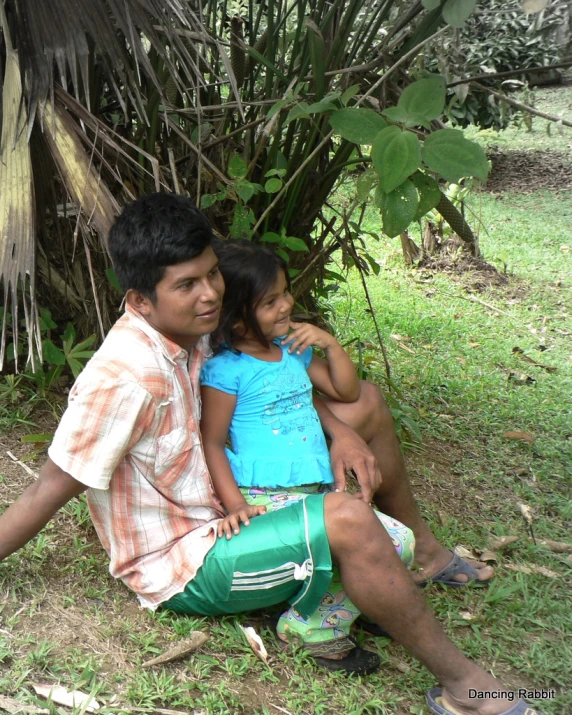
{"x":131,"y":434}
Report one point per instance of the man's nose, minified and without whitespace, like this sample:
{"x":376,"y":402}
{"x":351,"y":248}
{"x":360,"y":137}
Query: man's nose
{"x":209,"y":293}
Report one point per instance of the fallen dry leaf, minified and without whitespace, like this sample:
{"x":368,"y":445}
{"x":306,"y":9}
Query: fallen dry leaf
{"x":523,"y":356}
{"x":526,"y":512}
{"x":519,"y":472}
{"x":461,"y":360}
{"x":560,"y":547}
{"x":255,"y":642}
{"x":487,"y":555}
{"x":400,"y":338}
{"x":522,"y":436}
{"x":474,"y":345}
{"x":532,"y":569}
{"x":70,"y":698}
{"x":464,"y":553}
{"x":503,"y":541}
{"x":182,"y":649}
{"x":404,"y":347}
{"x":13,"y":707}
{"x":466,"y":615}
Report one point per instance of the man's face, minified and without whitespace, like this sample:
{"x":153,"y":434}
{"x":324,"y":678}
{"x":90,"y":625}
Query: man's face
{"x":188,"y":300}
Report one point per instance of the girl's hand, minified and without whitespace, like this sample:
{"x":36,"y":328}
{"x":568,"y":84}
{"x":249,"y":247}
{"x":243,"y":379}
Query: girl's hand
{"x":230,"y":524}
{"x":304,"y":334}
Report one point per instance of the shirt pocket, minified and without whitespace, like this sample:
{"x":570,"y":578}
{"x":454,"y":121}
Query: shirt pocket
{"x":178,"y":457}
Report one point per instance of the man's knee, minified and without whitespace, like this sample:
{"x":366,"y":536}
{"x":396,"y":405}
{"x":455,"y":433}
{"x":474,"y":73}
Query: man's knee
{"x":374,"y":406}
{"x":348,"y":519}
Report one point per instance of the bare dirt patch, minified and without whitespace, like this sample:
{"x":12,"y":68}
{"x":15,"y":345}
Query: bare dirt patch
{"x":528,"y":171}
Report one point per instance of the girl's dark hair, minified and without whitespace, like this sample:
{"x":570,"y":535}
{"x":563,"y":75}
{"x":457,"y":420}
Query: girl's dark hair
{"x":156,"y":231}
{"x":249,"y":272}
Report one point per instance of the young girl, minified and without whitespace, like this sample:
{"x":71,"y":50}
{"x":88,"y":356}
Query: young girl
{"x":258,"y":390}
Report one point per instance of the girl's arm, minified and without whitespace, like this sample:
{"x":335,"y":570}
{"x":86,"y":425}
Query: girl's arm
{"x":336,"y":376}
{"x":217,"y":411}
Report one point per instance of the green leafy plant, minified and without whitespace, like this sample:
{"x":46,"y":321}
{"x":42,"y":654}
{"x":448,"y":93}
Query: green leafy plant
{"x":406,"y":168}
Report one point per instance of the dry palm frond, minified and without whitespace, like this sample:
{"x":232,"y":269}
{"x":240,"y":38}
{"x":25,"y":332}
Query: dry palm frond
{"x":86,"y":187}
{"x":16,"y":212}
{"x":62,"y":34}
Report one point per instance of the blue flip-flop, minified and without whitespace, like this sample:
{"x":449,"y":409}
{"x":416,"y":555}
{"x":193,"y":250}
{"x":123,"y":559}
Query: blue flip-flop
{"x":434,"y":695}
{"x":455,"y":567}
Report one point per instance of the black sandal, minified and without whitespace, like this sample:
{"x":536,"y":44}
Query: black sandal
{"x":357,"y":662}
{"x":371,"y":627}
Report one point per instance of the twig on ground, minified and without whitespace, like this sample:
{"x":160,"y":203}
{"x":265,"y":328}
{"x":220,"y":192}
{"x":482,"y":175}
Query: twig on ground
{"x":21,"y":464}
{"x":472,"y":299}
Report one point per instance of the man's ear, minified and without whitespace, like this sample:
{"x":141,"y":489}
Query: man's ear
{"x":140,"y":302}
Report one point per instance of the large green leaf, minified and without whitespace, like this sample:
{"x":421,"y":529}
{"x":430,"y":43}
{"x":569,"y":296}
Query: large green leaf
{"x":395,"y":155}
{"x":399,"y":208}
{"x":424,"y":98}
{"x":455,"y":12}
{"x":450,"y":155}
{"x":430,"y":4}
{"x":357,"y":124}
{"x":429,"y":193}
{"x":364,"y":183}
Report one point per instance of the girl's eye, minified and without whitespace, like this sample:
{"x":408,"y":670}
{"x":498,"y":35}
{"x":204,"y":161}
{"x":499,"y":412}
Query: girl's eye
{"x":215,"y":271}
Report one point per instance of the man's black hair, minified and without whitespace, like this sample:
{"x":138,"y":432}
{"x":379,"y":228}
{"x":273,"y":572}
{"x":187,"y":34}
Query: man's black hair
{"x":249,"y":272}
{"x":154,"y":232}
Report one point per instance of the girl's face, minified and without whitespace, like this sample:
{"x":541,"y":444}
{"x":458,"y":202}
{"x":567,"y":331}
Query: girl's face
{"x":273,"y":309}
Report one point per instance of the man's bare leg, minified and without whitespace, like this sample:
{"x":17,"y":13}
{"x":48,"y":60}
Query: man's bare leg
{"x":381,"y":587}
{"x":371,"y":419}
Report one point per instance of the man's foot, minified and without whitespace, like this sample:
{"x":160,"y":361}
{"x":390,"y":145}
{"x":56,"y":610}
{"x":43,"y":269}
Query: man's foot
{"x":444,"y":566}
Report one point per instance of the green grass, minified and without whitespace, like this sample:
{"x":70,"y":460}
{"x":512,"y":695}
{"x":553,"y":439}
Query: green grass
{"x":65,"y":620}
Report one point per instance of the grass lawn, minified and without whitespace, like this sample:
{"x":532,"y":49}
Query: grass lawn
{"x":451,"y":340}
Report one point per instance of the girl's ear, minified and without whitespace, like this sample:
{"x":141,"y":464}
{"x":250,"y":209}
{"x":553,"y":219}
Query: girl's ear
{"x":239,"y":329}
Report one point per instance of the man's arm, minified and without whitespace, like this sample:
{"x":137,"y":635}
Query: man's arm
{"x":36,"y":506}
{"x":348,"y":452}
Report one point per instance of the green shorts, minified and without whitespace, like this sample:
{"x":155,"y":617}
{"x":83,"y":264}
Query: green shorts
{"x":280,"y":556}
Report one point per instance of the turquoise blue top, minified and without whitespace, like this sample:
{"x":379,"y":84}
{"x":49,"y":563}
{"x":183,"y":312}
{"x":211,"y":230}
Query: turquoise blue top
{"x":275,"y":432}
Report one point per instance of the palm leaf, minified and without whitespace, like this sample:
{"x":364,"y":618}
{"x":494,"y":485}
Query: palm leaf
{"x":16,"y":211}
{"x":85,"y":185}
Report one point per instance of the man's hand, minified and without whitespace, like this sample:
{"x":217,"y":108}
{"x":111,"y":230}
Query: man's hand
{"x":348,"y":452}
{"x":305,"y":334}
{"x":230,"y":524}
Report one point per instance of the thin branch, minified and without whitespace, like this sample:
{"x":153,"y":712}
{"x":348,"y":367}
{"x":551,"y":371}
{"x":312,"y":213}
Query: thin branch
{"x":472,"y":299}
{"x":399,"y":62}
{"x":523,"y":107}
{"x":298,"y":171}
{"x":510,"y":73}
{"x":198,"y":152}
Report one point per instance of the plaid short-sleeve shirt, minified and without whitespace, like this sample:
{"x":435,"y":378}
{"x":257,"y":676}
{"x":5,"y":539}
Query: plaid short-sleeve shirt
{"x":131,"y":434}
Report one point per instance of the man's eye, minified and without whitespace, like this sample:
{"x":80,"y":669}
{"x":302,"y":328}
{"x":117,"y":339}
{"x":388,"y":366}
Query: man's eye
{"x":186,"y":286}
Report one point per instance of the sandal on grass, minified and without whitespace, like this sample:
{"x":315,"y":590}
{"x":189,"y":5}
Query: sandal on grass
{"x":357,"y":662}
{"x":433,"y":698}
{"x":371,"y":627}
{"x":455,"y":567}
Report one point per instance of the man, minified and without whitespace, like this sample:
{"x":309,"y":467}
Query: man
{"x":130,"y":437}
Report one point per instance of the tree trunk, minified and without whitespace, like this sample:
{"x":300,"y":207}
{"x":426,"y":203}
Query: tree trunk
{"x":411,"y":252}
{"x":430,"y":244}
